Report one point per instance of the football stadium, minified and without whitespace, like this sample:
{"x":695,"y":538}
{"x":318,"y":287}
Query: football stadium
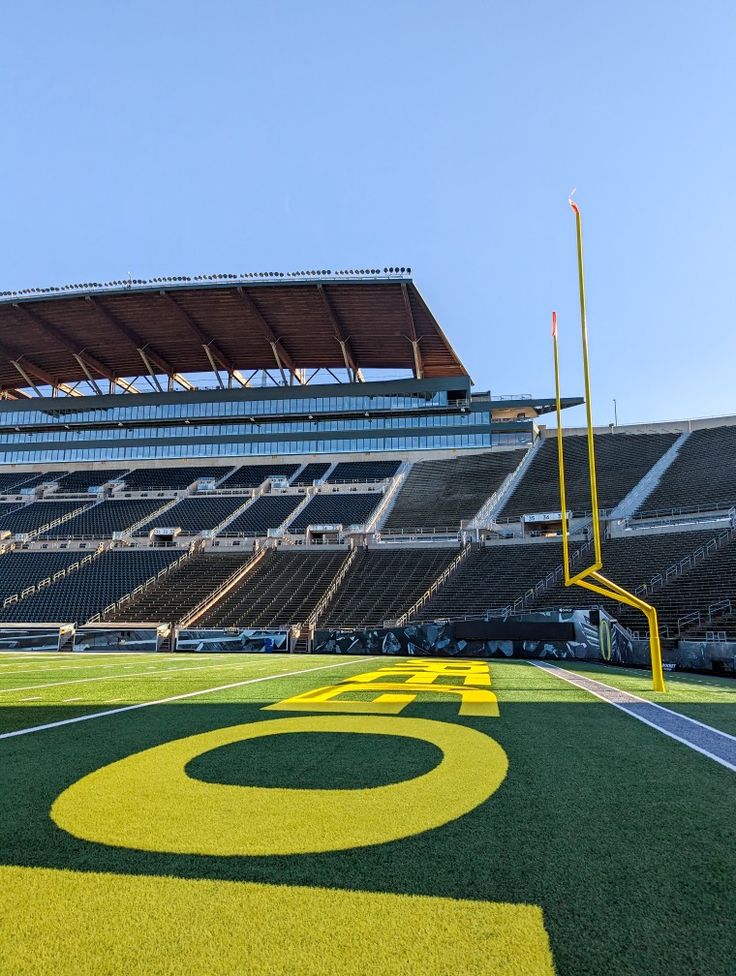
{"x":293,"y":678}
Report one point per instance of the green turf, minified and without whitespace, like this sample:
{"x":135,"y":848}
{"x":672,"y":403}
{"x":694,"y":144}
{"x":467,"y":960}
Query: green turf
{"x":622,"y":836}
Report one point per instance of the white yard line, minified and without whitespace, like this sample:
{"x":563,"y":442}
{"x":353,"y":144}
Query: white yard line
{"x":118,"y":676}
{"x":608,"y":694}
{"x":165,"y":701}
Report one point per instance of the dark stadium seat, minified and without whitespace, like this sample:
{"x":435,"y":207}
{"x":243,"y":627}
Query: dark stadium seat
{"x":80,"y":481}
{"x":253,"y":475}
{"x":703,"y":475}
{"x":336,"y":509}
{"x":14,"y":483}
{"x":380,"y":585}
{"x":362,"y":471}
{"x":21,"y":569}
{"x":196,"y":514}
{"x":283,"y":589}
{"x":179,"y":591}
{"x":100,"y":521}
{"x":266,"y":512}
{"x":622,"y":460}
{"x":176,"y":479}
{"x":439,"y":494}
{"x":35,"y":516}
{"x":311,"y":473}
{"x":90,"y":589}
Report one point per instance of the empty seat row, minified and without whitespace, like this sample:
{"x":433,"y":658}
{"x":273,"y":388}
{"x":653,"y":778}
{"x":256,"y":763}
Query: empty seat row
{"x":21,"y":569}
{"x":282,"y":589}
{"x":363,"y":471}
{"x":622,"y":460}
{"x":194,"y":515}
{"x":381,"y":585}
{"x":178,"y":592}
{"x":30,"y":518}
{"x":440,"y":494}
{"x":100,"y":521}
{"x":266,"y":512}
{"x":253,"y":475}
{"x":89,"y":590}
{"x":702,"y":475}
{"x":352,"y":508}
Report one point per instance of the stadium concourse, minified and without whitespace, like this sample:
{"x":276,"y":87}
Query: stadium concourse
{"x":280,"y":463}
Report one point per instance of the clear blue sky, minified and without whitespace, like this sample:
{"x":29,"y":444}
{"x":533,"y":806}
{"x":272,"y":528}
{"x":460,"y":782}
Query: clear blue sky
{"x":181,"y":138}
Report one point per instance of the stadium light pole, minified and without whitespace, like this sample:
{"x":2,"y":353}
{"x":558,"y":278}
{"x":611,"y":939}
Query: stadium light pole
{"x":590,"y":578}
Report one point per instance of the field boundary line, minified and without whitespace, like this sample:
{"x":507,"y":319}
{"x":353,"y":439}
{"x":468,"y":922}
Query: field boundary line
{"x":165,"y":701}
{"x":608,"y":693}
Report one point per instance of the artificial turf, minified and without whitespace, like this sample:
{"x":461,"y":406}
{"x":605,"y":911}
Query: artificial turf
{"x":622,"y":837}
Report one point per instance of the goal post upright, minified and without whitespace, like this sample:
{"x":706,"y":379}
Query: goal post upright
{"x":591,"y":578}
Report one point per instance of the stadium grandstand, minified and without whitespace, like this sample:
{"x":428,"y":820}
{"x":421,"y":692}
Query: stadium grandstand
{"x":307,"y":452}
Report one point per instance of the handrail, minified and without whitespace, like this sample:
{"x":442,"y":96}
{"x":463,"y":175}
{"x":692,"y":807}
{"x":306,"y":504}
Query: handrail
{"x":686,"y":563}
{"x":434,"y":586}
{"x":58,"y":575}
{"x":219,"y":592}
{"x":190,"y":551}
{"x":329,"y":593}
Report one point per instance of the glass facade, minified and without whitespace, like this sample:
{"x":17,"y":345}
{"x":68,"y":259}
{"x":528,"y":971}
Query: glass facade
{"x":363,"y":417}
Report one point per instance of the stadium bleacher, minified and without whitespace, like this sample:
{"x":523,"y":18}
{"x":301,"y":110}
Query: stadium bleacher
{"x":21,"y":569}
{"x":89,"y":590}
{"x":35,"y":516}
{"x":196,"y":514}
{"x":174,"y":479}
{"x":282,"y":589}
{"x":622,"y":460}
{"x":311,"y":472}
{"x":81,"y":481}
{"x":703,"y":475}
{"x":362,"y":471}
{"x":439,"y":494}
{"x":7,"y":507}
{"x":11,"y":482}
{"x":100,"y":521}
{"x":491,"y":578}
{"x":351,"y":508}
{"x":380,"y":586}
{"x":253,"y":475}
{"x":266,"y":512}
{"x":176,"y":593}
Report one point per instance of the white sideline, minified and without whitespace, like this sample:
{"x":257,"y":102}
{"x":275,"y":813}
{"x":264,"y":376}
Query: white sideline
{"x":565,"y":676}
{"x":165,"y":701}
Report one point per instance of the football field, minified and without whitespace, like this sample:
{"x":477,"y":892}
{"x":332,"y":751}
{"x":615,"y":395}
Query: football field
{"x":254,"y":814}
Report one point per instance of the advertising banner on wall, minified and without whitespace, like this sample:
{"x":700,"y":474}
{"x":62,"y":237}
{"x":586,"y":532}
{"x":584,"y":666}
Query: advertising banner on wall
{"x":232,"y":640}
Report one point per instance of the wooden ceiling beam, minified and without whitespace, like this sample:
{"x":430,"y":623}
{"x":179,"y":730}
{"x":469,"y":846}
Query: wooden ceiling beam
{"x":414,"y":338}
{"x":351,"y":363}
{"x":280,"y":353}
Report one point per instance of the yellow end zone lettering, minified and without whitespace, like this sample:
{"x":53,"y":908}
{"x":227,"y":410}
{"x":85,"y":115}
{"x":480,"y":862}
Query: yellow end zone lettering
{"x":67,"y":923}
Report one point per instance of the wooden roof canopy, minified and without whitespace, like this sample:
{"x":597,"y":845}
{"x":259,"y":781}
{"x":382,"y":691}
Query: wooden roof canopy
{"x":166,"y":328}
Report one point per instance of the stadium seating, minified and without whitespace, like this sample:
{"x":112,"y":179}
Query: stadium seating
{"x":311,"y":473}
{"x":35,"y":516}
{"x":703,"y":475}
{"x":80,"y":481}
{"x":175,"y":594}
{"x":89,"y":590}
{"x":491,"y":578}
{"x":439,"y":494}
{"x":364,"y":471}
{"x":630,"y":560}
{"x":336,"y":509}
{"x":11,"y":482}
{"x":21,"y":569}
{"x":266,"y":512}
{"x":381,"y":585}
{"x":253,"y":475}
{"x":6,"y":508}
{"x":174,"y":479}
{"x":195,"y":515}
{"x":283,"y":589}
{"x":622,"y":460}
{"x":15,"y":483}
{"x":100,"y":521}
